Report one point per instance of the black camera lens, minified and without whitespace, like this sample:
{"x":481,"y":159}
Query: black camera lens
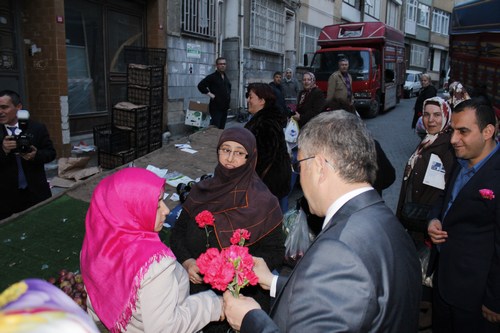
{"x":183,"y":196}
{"x":203,"y":177}
{"x":181,"y":187}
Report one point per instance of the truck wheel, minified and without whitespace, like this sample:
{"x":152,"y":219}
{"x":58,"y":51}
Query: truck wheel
{"x":374,"y":108}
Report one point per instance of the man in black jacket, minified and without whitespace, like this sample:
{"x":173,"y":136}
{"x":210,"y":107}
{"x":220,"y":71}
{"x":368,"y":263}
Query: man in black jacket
{"x":24,"y":183}
{"x":218,"y":88}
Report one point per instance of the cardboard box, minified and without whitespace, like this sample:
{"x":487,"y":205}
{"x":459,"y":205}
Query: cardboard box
{"x":197,"y":114}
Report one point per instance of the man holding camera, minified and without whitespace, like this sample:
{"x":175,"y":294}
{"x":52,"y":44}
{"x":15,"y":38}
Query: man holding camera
{"x":26,"y":147}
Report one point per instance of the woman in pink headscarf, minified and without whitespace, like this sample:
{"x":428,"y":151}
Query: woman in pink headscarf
{"x":133,"y":281}
{"x":434,"y":155}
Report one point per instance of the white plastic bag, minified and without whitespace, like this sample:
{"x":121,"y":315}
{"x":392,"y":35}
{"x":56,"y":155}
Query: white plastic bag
{"x":292,"y":131}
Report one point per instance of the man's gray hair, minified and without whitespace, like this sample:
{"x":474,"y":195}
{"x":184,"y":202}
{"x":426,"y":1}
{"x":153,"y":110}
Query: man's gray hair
{"x":345,"y":141}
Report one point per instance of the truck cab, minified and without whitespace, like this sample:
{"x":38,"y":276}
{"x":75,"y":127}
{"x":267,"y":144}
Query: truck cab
{"x":376,"y":63}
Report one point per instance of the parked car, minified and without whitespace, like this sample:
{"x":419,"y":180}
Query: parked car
{"x":412,"y":83}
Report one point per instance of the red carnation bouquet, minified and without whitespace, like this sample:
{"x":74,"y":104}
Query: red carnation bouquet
{"x":231,"y":268}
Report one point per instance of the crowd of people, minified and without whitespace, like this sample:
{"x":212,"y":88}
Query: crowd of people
{"x":361,"y":272}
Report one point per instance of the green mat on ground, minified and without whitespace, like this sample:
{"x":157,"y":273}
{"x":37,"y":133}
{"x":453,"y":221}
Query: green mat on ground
{"x":42,"y":241}
{"x":45,"y":240}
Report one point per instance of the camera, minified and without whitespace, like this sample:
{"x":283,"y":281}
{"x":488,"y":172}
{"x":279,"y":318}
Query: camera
{"x":23,"y":140}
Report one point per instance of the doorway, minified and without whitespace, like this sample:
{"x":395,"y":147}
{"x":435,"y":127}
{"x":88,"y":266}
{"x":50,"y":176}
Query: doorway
{"x":96,"y":34}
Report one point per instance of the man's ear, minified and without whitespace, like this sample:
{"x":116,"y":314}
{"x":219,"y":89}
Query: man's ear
{"x":489,"y":132}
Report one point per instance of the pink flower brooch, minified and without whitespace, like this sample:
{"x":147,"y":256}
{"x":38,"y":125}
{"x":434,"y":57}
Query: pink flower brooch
{"x":487,"y":194}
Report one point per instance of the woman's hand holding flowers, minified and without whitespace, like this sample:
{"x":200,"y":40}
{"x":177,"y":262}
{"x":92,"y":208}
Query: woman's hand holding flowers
{"x":193,"y":271}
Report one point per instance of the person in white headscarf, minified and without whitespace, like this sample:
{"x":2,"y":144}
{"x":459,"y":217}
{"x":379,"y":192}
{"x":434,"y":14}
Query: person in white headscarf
{"x":433,"y":152}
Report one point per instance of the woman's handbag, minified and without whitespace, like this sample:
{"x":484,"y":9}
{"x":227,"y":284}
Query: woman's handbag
{"x":414,"y":216}
{"x":416,"y":211}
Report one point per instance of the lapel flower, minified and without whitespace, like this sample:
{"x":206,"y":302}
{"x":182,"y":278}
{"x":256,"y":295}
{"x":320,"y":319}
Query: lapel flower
{"x":204,"y":219}
{"x":231,"y":268}
{"x":487,"y":194}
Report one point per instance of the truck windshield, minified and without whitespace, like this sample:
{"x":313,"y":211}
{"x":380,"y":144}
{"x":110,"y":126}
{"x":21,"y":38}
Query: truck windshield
{"x":325,"y":63}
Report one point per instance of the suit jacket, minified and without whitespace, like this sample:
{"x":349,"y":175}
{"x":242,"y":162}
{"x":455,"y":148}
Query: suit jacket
{"x":361,"y":274}
{"x":38,"y":188}
{"x":469,"y":261}
{"x":337,"y":87}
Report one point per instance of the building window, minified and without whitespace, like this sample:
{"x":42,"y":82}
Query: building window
{"x":198,"y":17}
{"x":308,"y":41}
{"x":393,"y":14}
{"x":372,"y":8}
{"x":411,"y":10}
{"x":423,"y":15}
{"x":418,"y":57}
{"x":350,"y":2}
{"x":268,"y":25}
{"x":440,"y":22}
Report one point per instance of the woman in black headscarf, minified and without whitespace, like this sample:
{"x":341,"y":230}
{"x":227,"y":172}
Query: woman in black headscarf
{"x":238,"y":199}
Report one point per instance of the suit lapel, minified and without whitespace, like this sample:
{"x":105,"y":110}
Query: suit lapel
{"x":487,"y":169}
{"x":340,"y":218}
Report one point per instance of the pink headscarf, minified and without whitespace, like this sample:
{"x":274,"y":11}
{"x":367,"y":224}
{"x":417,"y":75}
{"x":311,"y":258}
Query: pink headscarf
{"x":120,"y":243}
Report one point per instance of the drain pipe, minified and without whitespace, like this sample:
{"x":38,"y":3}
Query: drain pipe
{"x":241,"y":99}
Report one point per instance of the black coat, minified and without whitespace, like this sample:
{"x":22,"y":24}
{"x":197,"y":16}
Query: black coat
{"x":38,"y":189}
{"x":221,"y":88}
{"x":313,"y":103}
{"x":273,"y":161}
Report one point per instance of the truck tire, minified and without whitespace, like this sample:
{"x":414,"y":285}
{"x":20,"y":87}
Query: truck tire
{"x":374,"y":108}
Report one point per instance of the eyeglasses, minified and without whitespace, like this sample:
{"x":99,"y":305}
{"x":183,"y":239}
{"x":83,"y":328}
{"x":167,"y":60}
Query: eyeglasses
{"x":236,"y":154}
{"x":296,"y":165}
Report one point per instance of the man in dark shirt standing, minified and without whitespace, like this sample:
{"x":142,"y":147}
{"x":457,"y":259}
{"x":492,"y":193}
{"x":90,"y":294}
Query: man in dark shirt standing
{"x":218,"y":88}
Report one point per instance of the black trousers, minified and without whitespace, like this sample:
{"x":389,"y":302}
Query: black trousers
{"x":447,"y":318}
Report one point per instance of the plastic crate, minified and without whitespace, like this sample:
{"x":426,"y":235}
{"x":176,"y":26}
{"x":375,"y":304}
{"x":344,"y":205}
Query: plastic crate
{"x":145,"y":95}
{"x":145,"y":55}
{"x":139,"y":138}
{"x":155,"y":145}
{"x":112,"y":160}
{"x":155,"y":134}
{"x":142,"y":151}
{"x":133,"y":118}
{"x":110,"y":139}
{"x":155,"y":115}
{"x":144,"y":75}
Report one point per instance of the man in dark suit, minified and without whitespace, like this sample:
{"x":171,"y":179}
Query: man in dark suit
{"x":361,"y":273}
{"x":24,"y":183}
{"x":467,"y":230}
{"x":218,"y":88}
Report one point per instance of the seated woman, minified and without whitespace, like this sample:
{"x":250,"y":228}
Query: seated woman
{"x":133,"y":282}
{"x":237,"y":198}
{"x":267,"y":122}
{"x":416,"y":197}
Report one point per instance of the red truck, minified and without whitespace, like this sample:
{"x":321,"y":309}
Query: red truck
{"x":475,"y":48}
{"x":376,"y":63}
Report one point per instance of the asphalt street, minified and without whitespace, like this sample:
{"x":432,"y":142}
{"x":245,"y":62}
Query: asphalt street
{"x":398,"y":140}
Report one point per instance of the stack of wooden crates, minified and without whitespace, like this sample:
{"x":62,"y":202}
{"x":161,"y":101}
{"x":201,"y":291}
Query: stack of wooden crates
{"x":136,"y":125}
